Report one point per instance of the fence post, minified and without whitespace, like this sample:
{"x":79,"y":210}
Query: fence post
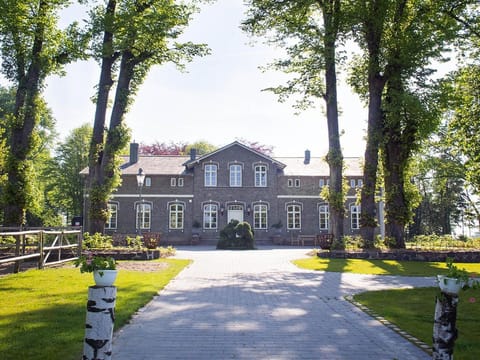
{"x":100,"y":319}
{"x":40,"y":250}
{"x":18,"y":242}
{"x":444,"y":327}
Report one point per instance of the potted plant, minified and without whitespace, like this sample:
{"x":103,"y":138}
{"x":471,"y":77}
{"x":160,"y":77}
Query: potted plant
{"x":455,"y":279}
{"x":104,"y":268}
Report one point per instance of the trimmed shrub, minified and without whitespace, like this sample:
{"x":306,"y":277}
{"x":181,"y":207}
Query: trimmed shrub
{"x":236,"y":235}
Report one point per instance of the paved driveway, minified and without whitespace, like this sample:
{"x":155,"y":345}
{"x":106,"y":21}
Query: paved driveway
{"x":257,"y":305}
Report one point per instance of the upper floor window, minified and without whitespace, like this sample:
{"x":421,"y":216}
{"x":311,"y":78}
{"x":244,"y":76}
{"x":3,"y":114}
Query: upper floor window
{"x":323,"y":217}
{"x":236,"y":175}
{"x":173,"y":182}
{"x":355,"y":216}
{"x":360,"y":182}
{"x":260,"y":216}
{"x":290,"y":182}
{"x":144,"y":215}
{"x":210,"y":214}
{"x":297,"y":182}
{"x":176,"y":212}
{"x":294,"y":217}
{"x":260,"y":175}
{"x":321,"y":183}
{"x":113,"y":215}
{"x":180,"y":182}
{"x":210,"y":175}
{"x":352,"y":183}
{"x":148,"y":181}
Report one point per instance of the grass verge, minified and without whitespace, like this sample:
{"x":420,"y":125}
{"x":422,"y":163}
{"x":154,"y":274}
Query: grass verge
{"x":381,"y":267}
{"x":42,"y":312}
{"x":412,"y":310}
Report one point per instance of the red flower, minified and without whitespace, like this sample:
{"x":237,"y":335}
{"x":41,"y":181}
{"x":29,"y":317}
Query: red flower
{"x":472,"y":300}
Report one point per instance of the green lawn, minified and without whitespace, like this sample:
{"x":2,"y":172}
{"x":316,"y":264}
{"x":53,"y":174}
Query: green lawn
{"x":381,"y":267}
{"x":42,"y":312}
{"x":412,"y":309}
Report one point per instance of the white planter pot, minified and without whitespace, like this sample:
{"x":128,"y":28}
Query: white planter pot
{"x":105,"y":277}
{"x":450,"y":285}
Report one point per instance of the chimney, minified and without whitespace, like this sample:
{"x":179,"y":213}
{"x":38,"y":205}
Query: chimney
{"x":306,"y":161}
{"x":193,"y":154}
{"x":133,"y":153}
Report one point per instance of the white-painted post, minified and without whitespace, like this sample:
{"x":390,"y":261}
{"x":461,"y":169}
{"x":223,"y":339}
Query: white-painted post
{"x":444,"y":327}
{"x":99,"y":323}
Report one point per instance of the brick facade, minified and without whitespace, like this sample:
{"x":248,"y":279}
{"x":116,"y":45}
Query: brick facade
{"x":177,"y":194}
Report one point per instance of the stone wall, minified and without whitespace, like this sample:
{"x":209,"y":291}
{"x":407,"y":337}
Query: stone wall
{"x":404,"y":255}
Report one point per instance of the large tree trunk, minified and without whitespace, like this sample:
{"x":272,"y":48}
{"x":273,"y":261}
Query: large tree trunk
{"x":17,"y":189}
{"x":375,"y":13}
{"x":444,"y":327}
{"x":97,"y":200}
{"x":335,"y":157}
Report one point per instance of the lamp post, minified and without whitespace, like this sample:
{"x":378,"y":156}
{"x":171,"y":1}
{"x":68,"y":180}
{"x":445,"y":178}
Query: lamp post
{"x":140,"y":181}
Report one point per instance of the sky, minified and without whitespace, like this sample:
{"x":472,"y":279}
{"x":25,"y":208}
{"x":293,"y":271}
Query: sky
{"x":219,"y":99}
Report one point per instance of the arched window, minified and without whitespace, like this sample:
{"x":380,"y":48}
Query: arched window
{"x":210,"y":216}
{"x":294,"y":217}
{"x":260,"y":216}
{"x":113,"y":215}
{"x":176,"y":216}
{"x":323,"y":216}
{"x":235,"y":175}
{"x":210,"y":175}
{"x":355,"y":217}
{"x":260,"y":175}
{"x":144,"y":215}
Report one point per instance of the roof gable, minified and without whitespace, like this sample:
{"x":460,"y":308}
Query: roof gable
{"x":191,"y":163}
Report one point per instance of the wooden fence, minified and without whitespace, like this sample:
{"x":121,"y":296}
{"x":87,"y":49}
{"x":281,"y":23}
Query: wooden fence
{"x":50,"y":247}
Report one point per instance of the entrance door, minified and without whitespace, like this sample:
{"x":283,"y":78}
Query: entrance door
{"x":235,"y":212}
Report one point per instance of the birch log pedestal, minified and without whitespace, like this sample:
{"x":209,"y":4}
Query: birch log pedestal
{"x":99,"y":323}
{"x":444,"y":327}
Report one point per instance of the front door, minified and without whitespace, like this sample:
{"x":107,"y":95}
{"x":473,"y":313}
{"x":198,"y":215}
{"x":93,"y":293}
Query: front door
{"x":235,"y":212}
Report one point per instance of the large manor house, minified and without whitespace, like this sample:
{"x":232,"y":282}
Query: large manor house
{"x":183,"y":196}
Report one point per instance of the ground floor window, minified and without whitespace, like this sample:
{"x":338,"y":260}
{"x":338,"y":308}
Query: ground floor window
{"x":144,"y":216}
{"x":210,"y":214}
{"x":323,"y":217}
{"x":176,"y":212}
{"x":294,"y":216}
{"x":113,"y":215}
{"x":355,"y":216}
{"x":260,"y":216}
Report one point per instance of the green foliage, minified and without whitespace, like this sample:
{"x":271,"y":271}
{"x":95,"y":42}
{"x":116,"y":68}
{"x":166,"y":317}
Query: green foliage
{"x":90,"y":263}
{"x":236,"y":235}
{"x":135,"y":243}
{"x":167,"y":251}
{"x":97,"y":241}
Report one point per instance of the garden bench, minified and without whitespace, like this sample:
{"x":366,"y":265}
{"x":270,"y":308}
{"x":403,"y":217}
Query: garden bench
{"x":309,"y":238}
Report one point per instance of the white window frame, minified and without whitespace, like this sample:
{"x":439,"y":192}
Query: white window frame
{"x":260,"y":216}
{"x":210,"y":216}
{"x":180,"y":182}
{"x":173,"y":182}
{"x":176,"y":216}
{"x":355,"y":217}
{"x":290,"y":182}
{"x":235,"y":175}
{"x":294,"y":217}
{"x":143,"y":215}
{"x":260,"y":175}
{"x":323,"y":216}
{"x":321,"y":183}
{"x":211,"y":175}
{"x":148,"y":181}
{"x":297,"y":183}
{"x":360,"y":183}
{"x":352,"y":183}
{"x":112,"y":221}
